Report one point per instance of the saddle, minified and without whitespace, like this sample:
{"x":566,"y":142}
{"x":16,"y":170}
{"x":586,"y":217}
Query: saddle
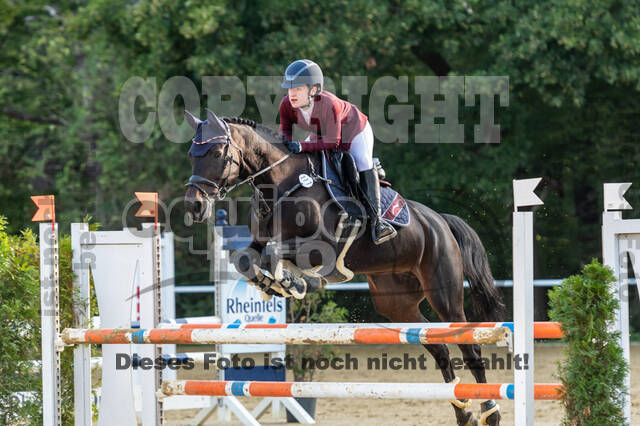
{"x":339,"y":168}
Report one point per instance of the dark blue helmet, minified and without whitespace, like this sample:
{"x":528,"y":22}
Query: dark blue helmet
{"x":301,"y":72}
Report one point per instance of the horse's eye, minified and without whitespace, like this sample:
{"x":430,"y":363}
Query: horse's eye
{"x":217,"y":154}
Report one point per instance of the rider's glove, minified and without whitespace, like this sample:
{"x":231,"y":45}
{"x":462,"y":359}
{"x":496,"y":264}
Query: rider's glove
{"x":294,"y":146}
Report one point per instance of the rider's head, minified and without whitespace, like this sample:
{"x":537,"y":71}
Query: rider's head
{"x":303,"y":79}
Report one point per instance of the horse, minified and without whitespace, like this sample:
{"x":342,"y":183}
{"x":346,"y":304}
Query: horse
{"x":429,"y":258}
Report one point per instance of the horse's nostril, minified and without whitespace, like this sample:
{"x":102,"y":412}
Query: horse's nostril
{"x":191,"y":205}
{"x":196,"y":210}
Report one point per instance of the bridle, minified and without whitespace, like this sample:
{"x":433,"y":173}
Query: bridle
{"x":222,"y":186}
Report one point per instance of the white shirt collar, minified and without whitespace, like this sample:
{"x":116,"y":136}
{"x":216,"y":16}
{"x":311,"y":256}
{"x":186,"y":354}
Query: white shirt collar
{"x":306,"y":114}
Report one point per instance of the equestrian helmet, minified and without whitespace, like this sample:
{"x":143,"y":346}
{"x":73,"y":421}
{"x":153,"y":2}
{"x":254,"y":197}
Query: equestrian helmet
{"x":301,"y":72}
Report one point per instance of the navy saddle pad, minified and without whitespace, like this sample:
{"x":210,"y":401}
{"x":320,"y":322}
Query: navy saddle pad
{"x":394,"y":207}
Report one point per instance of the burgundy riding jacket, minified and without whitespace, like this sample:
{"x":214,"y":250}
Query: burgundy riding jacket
{"x":333,"y":122}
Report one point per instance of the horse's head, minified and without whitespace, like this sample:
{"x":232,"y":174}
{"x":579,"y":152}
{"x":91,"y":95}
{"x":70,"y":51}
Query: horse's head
{"x":215,"y":165}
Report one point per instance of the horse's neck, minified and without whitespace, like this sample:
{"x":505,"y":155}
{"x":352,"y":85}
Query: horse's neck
{"x":262,"y":154}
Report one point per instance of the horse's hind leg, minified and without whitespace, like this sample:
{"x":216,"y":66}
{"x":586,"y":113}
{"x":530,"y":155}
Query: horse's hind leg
{"x":471,"y":354}
{"x":397,"y":297}
{"x":442,"y":285}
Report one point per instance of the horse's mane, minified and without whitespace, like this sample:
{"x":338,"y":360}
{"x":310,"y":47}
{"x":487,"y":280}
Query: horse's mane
{"x":264,"y":130}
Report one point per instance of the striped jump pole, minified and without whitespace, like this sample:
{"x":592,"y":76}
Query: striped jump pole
{"x":352,"y":390}
{"x":542,"y":330}
{"x":327,"y":334}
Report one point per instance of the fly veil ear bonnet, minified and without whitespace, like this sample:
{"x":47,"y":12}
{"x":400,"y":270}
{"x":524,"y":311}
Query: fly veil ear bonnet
{"x":208,"y":133}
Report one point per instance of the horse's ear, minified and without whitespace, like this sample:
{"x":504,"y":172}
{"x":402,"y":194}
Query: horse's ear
{"x":211,"y":117}
{"x":192,"y":120}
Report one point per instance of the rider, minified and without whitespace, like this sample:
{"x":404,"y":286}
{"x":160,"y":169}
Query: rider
{"x":332,"y":123}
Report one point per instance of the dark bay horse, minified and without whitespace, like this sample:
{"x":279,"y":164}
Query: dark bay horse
{"x":429,"y":258}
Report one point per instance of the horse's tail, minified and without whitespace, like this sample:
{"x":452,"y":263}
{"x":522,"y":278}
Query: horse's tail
{"x":485,"y":297}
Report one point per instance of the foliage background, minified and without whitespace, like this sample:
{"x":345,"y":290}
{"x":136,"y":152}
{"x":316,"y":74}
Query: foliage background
{"x":572,"y":118}
{"x":593,"y":370}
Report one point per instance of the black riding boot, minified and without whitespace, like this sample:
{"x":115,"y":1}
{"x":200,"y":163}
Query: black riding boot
{"x":381,"y":231}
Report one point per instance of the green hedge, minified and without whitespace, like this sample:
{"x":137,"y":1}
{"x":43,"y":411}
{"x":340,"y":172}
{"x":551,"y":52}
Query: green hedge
{"x":594,"y":369}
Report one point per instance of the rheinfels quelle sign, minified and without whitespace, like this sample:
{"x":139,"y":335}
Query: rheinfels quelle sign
{"x":243,"y":304}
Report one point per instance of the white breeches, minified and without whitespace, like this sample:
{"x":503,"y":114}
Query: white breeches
{"x":361,"y":148}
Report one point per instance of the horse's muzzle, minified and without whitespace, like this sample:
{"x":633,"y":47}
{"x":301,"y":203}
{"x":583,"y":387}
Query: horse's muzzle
{"x":197,"y":208}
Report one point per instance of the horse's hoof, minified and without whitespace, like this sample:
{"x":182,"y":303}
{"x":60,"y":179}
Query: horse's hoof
{"x":490,"y":414}
{"x":294,"y":285}
{"x":266,"y":297}
{"x":267,"y":283}
{"x":298,"y":288}
{"x":267,"y":291}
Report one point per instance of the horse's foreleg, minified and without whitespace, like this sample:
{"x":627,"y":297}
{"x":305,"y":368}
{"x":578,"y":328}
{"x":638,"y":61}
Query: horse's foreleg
{"x":264,"y":268}
{"x":282,"y":265}
{"x":248,"y":262}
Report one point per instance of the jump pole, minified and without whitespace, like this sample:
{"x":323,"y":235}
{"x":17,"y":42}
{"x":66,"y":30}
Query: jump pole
{"x":352,"y":390}
{"x":292,"y":336}
{"x":541,"y":330}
